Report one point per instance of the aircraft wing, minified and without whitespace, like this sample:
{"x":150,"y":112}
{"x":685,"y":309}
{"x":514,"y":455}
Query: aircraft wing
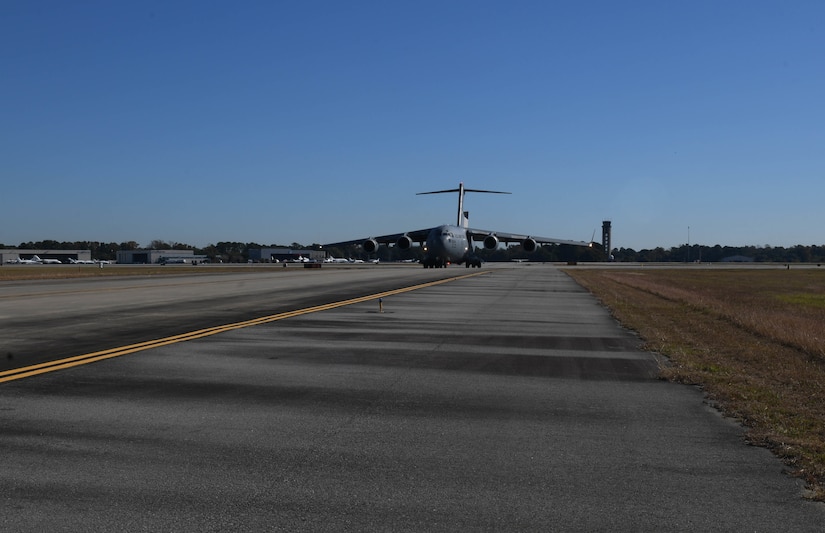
{"x":416,"y":236}
{"x":481,"y":234}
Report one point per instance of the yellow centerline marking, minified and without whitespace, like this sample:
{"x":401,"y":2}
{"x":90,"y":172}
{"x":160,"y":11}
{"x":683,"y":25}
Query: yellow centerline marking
{"x":69,"y":362}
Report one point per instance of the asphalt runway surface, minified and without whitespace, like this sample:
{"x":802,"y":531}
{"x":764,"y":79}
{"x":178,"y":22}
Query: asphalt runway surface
{"x":509,"y":400}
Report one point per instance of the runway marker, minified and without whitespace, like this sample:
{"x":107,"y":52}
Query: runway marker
{"x":69,"y":362}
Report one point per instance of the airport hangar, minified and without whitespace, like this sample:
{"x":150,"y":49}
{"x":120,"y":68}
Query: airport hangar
{"x":256,"y":255}
{"x":11,"y":254}
{"x":272,"y":255}
{"x":159,"y":257}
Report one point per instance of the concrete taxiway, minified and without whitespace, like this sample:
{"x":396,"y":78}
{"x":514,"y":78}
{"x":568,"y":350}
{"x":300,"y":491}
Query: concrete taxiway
{"x":508,"y":400}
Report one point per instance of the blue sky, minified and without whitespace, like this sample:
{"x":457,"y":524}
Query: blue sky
{"x":310,"y":121}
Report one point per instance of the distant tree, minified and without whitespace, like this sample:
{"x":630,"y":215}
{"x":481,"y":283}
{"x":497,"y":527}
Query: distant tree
{"x":48,"y":245}
{"x":624,"y":254}
{"x":657,"y":255}
{"x":799,"y":253}
{"x":492,"y":256}
{"x":231,"y":252}
{"x":589,"y":255}
{"x":159,"y":244}
{"x":107,"y":251}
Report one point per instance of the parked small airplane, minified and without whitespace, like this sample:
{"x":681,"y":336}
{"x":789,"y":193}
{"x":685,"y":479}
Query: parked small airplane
{"x":51,"y":261}
{"x":81,"y":261}
{"x":19,"y":261}
{"x":453,"y":244}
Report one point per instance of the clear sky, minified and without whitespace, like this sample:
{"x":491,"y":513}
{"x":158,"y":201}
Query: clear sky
{"x":317,"y":121}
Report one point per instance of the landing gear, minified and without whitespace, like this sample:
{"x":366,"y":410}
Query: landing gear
{"x":434,"y":263}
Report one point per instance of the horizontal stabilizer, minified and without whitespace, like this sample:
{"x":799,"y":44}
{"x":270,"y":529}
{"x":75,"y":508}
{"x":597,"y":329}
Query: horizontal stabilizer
{"x":461,"y":190}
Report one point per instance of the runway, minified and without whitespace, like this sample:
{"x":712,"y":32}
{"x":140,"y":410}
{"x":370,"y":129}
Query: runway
{"x":509,"y":400}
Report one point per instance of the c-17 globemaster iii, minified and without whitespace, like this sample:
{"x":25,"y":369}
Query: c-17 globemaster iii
{"x":454,"y":244}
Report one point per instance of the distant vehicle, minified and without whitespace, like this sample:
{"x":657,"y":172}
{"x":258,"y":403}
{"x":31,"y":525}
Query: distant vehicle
{"x":302,"y":259}
{"x":81,"y":261}
{"x":447,"y":244}
{"x":336,"y":260}
{"x":175,"y":261}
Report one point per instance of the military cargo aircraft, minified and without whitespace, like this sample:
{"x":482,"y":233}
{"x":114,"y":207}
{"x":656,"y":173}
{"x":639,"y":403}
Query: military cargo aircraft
{"x":447,"y":244}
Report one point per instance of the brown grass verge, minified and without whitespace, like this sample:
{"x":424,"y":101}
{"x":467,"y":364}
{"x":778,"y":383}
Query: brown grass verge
{"x":754,"y":340}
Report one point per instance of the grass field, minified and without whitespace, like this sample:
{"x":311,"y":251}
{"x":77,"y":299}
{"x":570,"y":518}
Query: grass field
{"x":753,"y":339}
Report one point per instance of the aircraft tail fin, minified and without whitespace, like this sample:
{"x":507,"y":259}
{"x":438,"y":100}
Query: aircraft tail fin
{"x":463,"y":218}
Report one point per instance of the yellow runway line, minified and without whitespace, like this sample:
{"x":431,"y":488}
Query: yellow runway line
{"x":69,"y":362}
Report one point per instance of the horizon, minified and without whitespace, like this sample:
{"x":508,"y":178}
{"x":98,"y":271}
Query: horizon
{"x":172,"y":244}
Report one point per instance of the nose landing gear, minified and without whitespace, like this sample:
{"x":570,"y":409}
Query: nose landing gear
{"x":435,"y":262}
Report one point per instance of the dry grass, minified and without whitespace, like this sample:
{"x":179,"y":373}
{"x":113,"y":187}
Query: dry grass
{"x":753,"y":339}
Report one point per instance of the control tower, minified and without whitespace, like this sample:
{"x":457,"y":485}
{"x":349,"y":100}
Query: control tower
{"x":606,"y":245}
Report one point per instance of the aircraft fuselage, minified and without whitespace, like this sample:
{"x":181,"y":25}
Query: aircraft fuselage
{"x":448,"y":244}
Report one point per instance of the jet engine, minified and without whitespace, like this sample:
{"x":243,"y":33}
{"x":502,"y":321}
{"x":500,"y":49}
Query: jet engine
{"x":491,"y":242}
{"x":404,"y":242}
{"x":529,"y":245}
{"x":370,"y":245}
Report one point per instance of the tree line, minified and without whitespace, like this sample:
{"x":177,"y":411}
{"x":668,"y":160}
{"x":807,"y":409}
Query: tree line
{"x":718,"y":253}
{"x":238,"y":252}
{"x":228,"y":252}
